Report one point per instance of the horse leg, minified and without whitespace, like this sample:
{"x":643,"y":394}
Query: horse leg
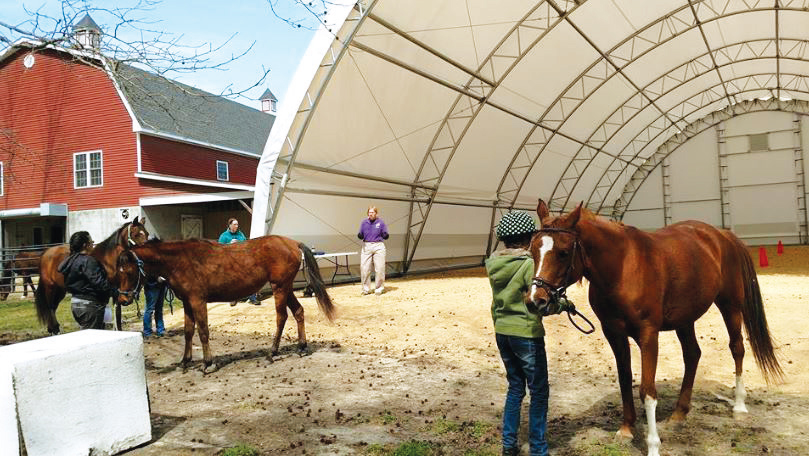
{"x":28,"y":282}
{"x":733,"y":321}
{"x":280,"y":317}
{"x":54,"y":295}
{"x":620,"y":348}
{"x":189,"y":333}
{"x":648,"y":393}
{"x":202,"y":328}
{"x":297,"y":312}
{"x":691,"y":355}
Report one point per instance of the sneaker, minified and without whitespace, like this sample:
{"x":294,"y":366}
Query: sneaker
{"x":379,"y":291}
{"x":255,"y":302}
{"x":365,"y":292}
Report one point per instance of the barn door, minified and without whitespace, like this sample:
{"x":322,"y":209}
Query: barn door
{"x":191,"y":226}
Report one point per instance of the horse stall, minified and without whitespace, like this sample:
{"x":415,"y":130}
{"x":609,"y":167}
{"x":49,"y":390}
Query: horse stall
{"x":74,"y":394}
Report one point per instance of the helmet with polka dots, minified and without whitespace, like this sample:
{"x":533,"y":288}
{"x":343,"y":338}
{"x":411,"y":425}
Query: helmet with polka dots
{"x":515,"y":223}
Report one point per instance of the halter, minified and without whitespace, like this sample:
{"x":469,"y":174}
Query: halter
{"x":129,"y":236}
{"x":134,"y":294}
{"x":556,"y":292}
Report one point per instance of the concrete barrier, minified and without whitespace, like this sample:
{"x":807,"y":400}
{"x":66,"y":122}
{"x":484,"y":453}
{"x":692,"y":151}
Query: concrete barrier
{"x":75,"y":394}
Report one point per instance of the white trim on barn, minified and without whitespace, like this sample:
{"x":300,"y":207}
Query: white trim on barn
{"x":192,"y":181}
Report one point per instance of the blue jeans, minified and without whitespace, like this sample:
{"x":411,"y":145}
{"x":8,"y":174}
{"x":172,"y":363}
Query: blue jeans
{"x":526,"y":365}
{"x":154,"y":294}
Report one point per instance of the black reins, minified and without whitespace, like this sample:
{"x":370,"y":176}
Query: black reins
{"x":557,"y":293}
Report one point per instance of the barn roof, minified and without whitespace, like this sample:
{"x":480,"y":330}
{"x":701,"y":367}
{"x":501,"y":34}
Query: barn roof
{"x":164,"y":107}
{"x":171,"y":108}
{"x":479,"y":104}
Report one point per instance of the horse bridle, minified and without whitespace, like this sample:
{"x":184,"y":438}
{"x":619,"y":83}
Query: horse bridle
{"x":129,"y":235}
{"x":560,"y":292}
{"x":133,"y":294}
{"x":554,"y":291}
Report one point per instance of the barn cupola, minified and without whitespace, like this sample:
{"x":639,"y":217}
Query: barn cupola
{"x":269,"y":103}
{"x":87,"y":33}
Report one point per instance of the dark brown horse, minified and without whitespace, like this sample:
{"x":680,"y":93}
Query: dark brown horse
{"x":201,"y":271}
{"x":24,"y":264}
{"x":643,"y":283}
{"x":51,"y":287}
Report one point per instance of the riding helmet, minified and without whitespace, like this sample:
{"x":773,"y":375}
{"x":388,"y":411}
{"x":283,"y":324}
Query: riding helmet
{"x":515,"y":223}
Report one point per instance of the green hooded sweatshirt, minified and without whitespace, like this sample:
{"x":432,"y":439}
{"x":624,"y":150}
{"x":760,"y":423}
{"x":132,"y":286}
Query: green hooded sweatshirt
{"x":510,"y":272}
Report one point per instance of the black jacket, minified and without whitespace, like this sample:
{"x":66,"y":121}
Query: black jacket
{"x":85,"y":278}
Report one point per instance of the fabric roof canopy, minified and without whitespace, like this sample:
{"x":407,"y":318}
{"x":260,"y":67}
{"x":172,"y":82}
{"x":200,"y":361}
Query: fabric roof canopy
{"x":483,"y":104}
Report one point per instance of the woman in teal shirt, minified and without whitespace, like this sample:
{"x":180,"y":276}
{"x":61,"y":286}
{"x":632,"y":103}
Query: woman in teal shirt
{"x":232,"y":235}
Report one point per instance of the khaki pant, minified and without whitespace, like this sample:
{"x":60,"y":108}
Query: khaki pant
{"x":372,"y":252}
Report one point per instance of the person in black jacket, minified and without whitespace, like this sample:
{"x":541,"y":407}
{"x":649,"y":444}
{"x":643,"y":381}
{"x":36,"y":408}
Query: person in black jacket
{"x":86,"y":280}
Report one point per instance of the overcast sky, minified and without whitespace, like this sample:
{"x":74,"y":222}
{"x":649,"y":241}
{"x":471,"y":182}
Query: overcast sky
{"x":278,"y":46}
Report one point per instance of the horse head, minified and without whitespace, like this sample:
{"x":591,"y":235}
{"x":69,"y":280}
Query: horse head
{"x":558,"y":256}
{"x":134,"y":234}
{"x":129,"y":277}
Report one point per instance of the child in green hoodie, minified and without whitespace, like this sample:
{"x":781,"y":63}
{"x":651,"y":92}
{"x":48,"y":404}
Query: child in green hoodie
{"x":519,"y":332}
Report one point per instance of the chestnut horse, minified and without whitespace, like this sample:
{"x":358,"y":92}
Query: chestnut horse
{"x":51,"y":288}
{"x":643,"y":283}
{"x":200,"y":272}
{"x":23,"y":264}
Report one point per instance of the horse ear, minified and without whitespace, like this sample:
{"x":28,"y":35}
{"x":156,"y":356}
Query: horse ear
{"x":542,"y":210}
{"x":572,"y":218}
{"x":135,"y":221}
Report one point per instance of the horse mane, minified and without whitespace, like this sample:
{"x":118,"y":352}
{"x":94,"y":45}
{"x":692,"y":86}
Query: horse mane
{"x":109,"y":244}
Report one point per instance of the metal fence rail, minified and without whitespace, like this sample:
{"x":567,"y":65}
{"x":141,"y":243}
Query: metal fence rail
{"x":20,"y":266}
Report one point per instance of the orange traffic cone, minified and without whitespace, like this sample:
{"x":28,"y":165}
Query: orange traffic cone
{"x":762,"y":257}
{"x":780,"y":249}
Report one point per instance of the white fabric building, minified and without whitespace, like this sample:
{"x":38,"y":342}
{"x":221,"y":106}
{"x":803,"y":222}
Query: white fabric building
{"x":446,"y":113}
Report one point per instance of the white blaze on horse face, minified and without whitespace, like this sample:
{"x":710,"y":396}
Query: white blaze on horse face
{"x":547,"y":246}
{"x":739,"y":406}
{"x":652,"y":439}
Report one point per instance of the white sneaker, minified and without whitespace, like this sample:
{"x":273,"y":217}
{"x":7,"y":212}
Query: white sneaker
{"x":379,"y":291}
{"x":365,"y":292}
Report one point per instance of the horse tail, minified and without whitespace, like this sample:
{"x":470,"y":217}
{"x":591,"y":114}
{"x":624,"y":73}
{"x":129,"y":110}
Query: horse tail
{"x":316,"y":282}
{"x":755,"y":321}
{"x":45,"y":314}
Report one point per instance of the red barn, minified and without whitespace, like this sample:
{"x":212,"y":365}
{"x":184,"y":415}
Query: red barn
{"x":83,"y":147}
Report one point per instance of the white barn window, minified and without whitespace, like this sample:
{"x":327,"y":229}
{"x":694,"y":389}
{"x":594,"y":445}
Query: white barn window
{"x":222,"y":170}
{"x":87,"y":169}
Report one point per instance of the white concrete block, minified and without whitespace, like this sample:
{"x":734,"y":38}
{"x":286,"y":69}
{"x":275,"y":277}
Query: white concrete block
{"x":74,"y":394}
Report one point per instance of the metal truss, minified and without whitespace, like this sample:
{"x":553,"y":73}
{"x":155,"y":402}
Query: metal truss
{"x":520,"y":39}
{"x":612,"y":62}
{"x":305,"y":113}
{"x":797,"y":50}
{"x":755,"y":83}
{"x":693,"y":129}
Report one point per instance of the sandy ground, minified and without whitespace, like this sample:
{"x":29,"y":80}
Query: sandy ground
{"x":419,"y":364}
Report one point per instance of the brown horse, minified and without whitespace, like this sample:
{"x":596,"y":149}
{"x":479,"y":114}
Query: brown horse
{"x":201,"y":271}
{"x":643,"y":283}
{"x":24,"y":264}
{"x":51,"y":289}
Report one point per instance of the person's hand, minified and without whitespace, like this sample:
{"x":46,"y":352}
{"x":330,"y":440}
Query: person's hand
{"x":233,"y":241}
{"x":161,"y":279}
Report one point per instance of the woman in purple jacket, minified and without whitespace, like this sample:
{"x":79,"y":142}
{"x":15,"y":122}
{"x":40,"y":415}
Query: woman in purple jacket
{"x":373,"y":232}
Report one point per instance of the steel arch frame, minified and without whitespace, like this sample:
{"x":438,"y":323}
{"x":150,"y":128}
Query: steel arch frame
{"x":693,"y":129}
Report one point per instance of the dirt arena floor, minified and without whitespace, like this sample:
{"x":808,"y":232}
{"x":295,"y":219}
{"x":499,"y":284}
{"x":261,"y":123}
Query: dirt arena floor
{"x":418,"y":364}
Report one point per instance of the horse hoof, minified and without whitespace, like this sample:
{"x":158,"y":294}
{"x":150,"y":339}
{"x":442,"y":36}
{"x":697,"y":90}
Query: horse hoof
{"x":677,"y":416}
{"x":624,"y":433}
{"x":210,"y":368}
